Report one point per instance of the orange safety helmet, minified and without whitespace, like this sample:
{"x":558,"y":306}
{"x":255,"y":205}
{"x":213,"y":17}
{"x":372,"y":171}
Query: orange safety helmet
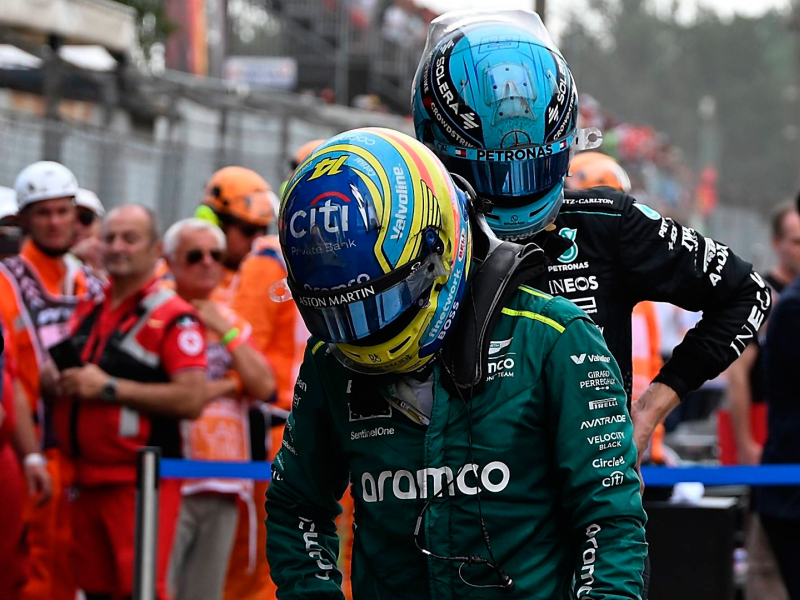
{"x":240,"y":193}
{"x":594,"y":169}
{"x":303,"y":152}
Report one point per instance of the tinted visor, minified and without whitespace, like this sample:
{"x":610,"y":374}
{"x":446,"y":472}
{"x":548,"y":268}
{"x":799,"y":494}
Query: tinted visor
{"x":501,"y":179}
{"x":348,"y":314}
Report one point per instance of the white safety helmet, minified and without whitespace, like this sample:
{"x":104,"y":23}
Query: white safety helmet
{"x":44,"y":180}
{"x":89,"y":200}
{"x":8,"y":203}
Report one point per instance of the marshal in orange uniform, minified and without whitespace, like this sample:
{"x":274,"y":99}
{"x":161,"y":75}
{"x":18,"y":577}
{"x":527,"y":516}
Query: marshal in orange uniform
{"x":39,"y":290}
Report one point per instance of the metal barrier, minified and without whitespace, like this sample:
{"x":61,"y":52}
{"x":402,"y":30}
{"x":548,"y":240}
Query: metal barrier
{"x":144,"y":564}
{"x":653,"y":476}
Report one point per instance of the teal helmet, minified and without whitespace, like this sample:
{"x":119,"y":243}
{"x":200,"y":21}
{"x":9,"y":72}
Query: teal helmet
{"x":495,"y":99}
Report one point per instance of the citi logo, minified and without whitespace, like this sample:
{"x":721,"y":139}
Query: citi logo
{"x":426,"y":483}
{"x":615,"y":479}
{"x":331,"y":216}
{"x":579,"y":359}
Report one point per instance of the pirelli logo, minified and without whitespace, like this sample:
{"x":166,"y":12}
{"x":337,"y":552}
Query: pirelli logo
{"x":607,"y":403}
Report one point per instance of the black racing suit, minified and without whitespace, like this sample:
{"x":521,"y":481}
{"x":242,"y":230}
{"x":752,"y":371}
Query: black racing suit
{"x":623,"y":252}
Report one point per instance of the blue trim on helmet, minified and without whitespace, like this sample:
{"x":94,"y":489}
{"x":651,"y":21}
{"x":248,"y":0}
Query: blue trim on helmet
{"x":450,"y":297}
{"x":525,"y":221}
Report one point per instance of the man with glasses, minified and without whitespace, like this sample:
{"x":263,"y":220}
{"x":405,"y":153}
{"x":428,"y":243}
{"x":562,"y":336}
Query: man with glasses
{"x":242,"y":204}
{"x":136,"y":367}
{"x":238,"y":373}
{"x":90,"y":212}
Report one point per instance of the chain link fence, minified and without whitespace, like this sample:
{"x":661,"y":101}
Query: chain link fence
{"x":167,"y":170}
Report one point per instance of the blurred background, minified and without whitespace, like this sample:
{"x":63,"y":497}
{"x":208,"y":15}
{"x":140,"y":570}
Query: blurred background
{"x":142,"y":99}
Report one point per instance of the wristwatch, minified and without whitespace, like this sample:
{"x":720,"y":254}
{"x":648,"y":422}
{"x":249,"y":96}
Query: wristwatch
{"x":109,"y":393}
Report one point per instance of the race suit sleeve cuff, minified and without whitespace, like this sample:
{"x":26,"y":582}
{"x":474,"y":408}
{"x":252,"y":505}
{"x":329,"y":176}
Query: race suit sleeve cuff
{"x":670,"y":379}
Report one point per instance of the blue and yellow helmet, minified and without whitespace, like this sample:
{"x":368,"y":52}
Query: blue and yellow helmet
{"x":495,"y":99}
{"x":377,"y":245}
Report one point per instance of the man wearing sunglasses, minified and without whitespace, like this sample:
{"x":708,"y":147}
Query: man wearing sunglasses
{"x":242,"y":203}
{"x":194,"y":249}
{"x":87,"y":245}
{"x":142,"y":352}
{"x":39,"y":290}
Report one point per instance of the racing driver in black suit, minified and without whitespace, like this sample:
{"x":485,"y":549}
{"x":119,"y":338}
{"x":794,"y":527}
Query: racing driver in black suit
{"x":496,"y":100}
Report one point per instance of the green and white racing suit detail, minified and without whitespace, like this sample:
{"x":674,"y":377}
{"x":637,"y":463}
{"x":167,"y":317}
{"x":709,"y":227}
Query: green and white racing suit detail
{"x":552,"y":457}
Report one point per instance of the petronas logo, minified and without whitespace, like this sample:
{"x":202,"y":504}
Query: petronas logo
{"x":571,"y":254}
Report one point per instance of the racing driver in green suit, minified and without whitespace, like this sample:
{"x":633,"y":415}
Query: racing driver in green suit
{"x":519,"y":484}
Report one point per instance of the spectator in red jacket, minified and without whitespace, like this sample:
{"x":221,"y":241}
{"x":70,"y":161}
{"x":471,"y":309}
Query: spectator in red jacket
{"x":143,"y":351}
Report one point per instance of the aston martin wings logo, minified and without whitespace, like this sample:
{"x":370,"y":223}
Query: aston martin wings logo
{"x":498,"y":346}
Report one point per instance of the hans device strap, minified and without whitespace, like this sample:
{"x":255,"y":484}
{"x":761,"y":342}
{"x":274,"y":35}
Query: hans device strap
{"x":504,"y":268}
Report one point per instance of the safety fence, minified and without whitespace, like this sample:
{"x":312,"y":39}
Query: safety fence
{"x":778,"y":475}
{"x":166,"y":165}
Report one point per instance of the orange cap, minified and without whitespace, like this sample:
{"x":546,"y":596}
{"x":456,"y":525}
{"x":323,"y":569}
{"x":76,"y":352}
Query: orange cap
{"x":240,"y":193}
{"x":594,"y":169}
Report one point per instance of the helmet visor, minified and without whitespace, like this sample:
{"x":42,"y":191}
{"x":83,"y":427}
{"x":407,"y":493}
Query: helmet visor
{"x":349,"y":314}
{"x":511,"y":178}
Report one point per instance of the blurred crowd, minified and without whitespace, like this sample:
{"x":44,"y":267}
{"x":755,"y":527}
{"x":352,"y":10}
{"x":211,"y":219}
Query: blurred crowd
{"x":117,"y":337}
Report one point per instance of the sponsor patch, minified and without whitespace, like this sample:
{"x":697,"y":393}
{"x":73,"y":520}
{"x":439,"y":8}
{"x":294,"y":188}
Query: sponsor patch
{"x":571,"y":254}
{"x":605,"y":403}
{"x":600,"y":421}
{"x":612,"y":439}
{"x":497,"y":346}
{"x":602,"y":463}
{"x":648,"y":212}
{"x":371,"y":433}
{"x":613,"y":480}
{"x":579,"y":359}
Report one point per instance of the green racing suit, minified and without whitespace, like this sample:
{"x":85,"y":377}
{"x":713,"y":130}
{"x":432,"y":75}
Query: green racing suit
{"x":548,"y":446}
